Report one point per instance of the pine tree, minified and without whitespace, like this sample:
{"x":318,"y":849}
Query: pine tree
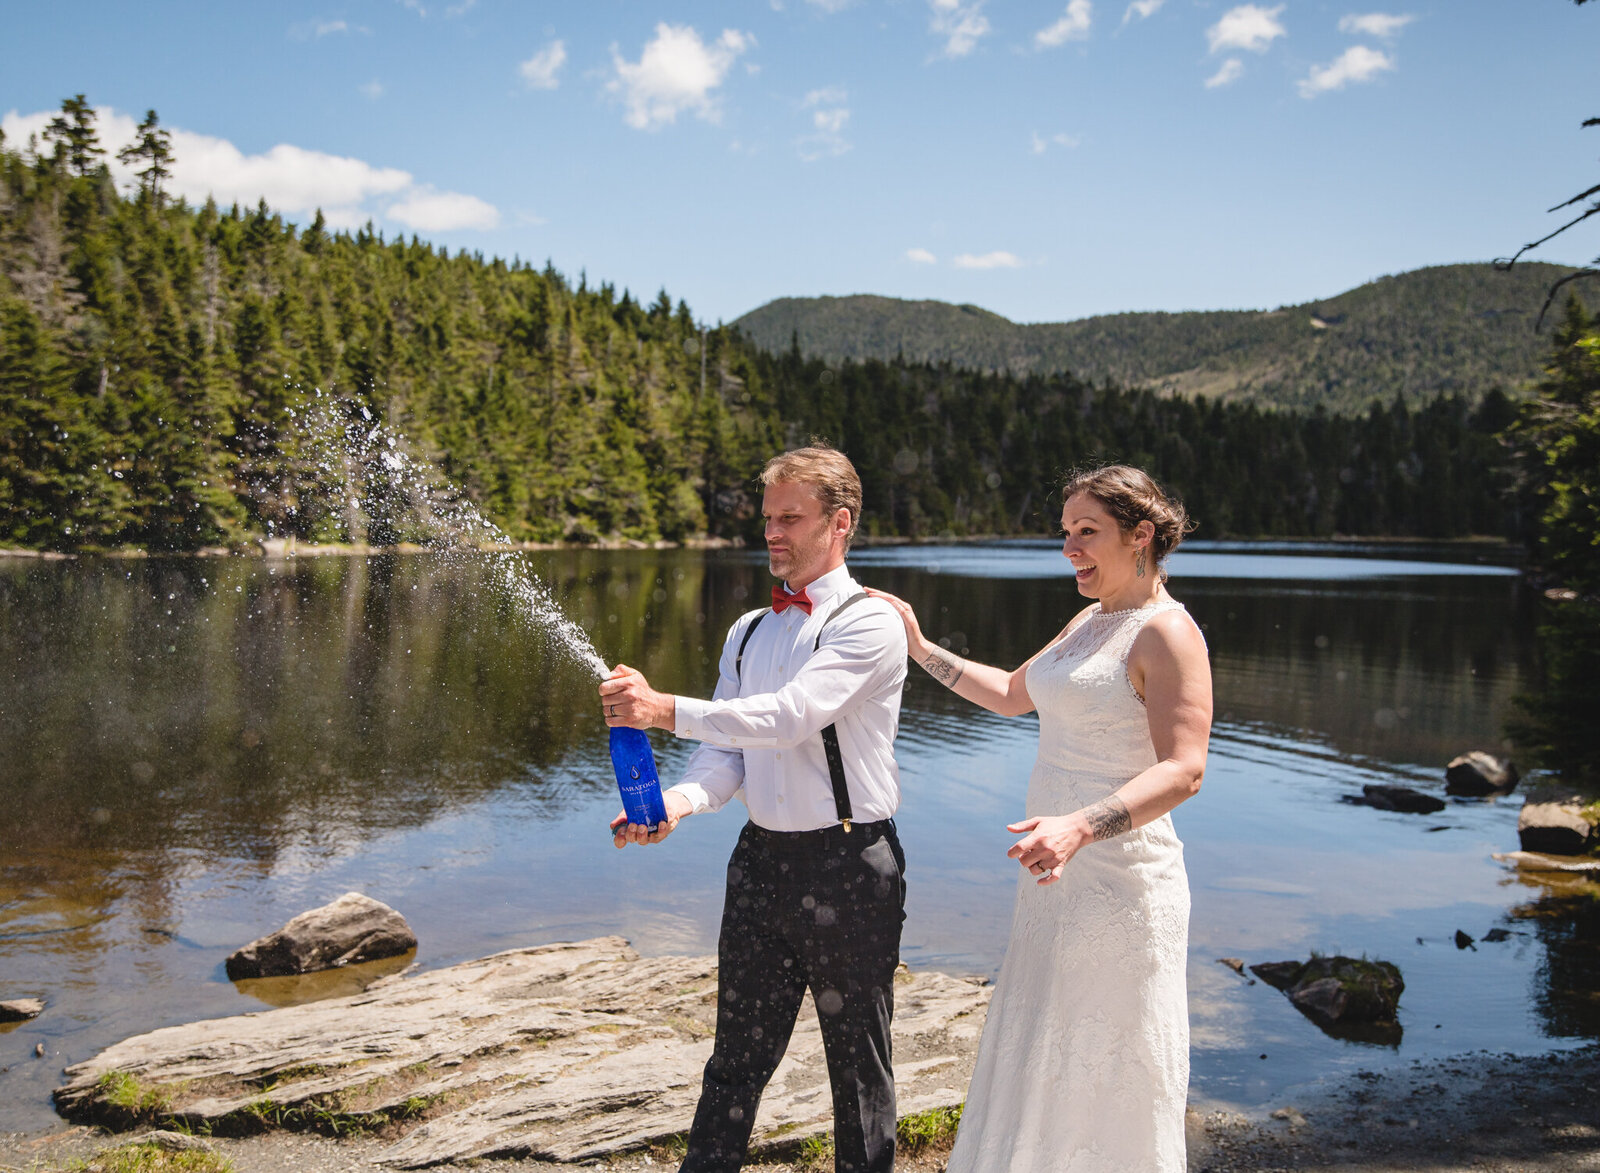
{"x":153,"y":148}
{"x":72,"y":131}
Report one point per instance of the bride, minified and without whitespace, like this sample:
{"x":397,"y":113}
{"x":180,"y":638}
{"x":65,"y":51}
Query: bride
{"x":1084,"y":1063}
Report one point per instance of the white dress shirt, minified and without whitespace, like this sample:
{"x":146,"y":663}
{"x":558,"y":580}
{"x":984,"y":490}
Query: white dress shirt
{"x":764,"y":732}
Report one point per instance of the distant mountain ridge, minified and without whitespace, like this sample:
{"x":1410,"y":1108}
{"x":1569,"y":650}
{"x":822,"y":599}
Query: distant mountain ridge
{"x":1446,"y":329}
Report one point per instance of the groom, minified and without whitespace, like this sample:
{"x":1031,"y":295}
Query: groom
{"x":803,"y":721}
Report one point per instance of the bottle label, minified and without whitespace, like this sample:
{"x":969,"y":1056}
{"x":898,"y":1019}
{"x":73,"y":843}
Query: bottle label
{"x":640,"y":786}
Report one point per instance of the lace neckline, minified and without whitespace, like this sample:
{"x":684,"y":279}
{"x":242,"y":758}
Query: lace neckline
{"x":1158,"y":604}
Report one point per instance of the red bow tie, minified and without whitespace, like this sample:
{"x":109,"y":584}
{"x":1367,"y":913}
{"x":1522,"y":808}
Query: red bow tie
{"x":782,"y":599}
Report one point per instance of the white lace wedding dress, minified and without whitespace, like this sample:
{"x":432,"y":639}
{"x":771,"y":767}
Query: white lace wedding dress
{"x":1084,"y":1064}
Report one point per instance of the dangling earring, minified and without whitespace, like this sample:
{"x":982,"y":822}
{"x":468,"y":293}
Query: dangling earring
{"x":1138,"y":563}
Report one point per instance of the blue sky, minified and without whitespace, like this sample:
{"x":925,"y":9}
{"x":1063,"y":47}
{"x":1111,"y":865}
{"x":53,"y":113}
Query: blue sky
{"x":1044,"y":160}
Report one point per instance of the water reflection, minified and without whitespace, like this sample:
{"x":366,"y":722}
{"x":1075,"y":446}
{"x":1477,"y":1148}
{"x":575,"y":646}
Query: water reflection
{"x":298,"y":989}
{"x":197,"y":750}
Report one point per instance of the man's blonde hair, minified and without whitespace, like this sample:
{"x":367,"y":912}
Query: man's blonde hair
{"x":825,"y":469}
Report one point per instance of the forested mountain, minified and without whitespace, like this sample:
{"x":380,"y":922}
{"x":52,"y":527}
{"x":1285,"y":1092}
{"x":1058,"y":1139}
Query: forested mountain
{"x":155,"y":359}
{"x":1453,"y":329}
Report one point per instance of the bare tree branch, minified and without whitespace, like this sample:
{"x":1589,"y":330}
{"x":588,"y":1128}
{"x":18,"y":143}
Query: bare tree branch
{"x":1583,"y":195}
{"x":1551,"y":296}
{"x":1503,"y":265}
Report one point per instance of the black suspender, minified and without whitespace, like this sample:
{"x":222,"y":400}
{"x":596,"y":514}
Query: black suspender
{"x":830,"y":735}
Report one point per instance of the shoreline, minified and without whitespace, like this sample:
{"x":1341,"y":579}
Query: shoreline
{"x":286,"y":548}
{"x":1491,"y":1112}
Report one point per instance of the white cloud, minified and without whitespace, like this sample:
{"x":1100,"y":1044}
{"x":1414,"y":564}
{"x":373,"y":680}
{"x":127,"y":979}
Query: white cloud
{"x":427,"y":210}
{"x":540,"y":70}
{"x":994,"y":260}
{"x":293,"y":180}
{"x":829,"y":114}
{"x":1230,"y":72}
{"x":676,"y":72}
{"x":373,"y":89}
{"x":1073,"y":26}
{"x":830,"y":121}
{"x":829,"y":5}
{"x":1375,"y":24}
{"x":1143,"y":9}
{"x":1042,"y":143}
{"x":922,"y":256}
{"x":961,"y":23}
{"x":315,"y":30}
{"x":1355,"y":65}
{"x":1250,"y":27}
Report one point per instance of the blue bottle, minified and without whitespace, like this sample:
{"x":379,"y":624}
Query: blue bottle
{"x":635,"y":767}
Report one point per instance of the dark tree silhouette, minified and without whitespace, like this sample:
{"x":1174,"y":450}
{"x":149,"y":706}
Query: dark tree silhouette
{"x":73,"y":133}
{"x":153,"y":148}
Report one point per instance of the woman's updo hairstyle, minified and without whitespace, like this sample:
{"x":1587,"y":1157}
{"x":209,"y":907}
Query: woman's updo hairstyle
{"x":1131,"y":495}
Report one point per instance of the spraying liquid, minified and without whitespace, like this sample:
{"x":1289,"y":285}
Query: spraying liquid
{"x":379,"y":486}
{"x":388,"y":488}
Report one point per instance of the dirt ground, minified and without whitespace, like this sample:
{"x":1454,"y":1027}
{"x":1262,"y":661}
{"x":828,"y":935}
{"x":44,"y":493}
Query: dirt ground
{"x":1478,"y":1112}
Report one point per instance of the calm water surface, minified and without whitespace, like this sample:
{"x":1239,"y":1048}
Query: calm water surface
{"x":193,"y":751}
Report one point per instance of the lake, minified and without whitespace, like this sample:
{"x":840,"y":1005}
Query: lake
{"x":192,"y":751}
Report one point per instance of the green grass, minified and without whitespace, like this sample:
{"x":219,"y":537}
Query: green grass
{"x":931,"y":1129}
{"x":129,"y":1095}
{"x":672,"y":1150}
{"x":149,"y":1158}
{"x":925,"y":1129}
{"x":815,"y":1155}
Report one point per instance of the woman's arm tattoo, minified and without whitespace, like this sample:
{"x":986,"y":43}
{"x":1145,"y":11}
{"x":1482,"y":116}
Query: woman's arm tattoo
{"x":944,"y":667}
{"x":1108,"y":818}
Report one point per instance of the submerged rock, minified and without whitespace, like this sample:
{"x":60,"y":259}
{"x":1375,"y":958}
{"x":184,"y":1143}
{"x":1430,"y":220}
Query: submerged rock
{"x":1478,"y":774}
{"x":1399,"y":798}
{"x":1534,"y":861}
{"x":353,"y":928}
{"x":20,"y":1009}
{"x":569,"y":1052}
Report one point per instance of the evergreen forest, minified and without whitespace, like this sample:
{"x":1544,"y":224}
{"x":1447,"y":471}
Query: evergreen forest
{"x":1447,"y":329}
{"x":154,"y":357}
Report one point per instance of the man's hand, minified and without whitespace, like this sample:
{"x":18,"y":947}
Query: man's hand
{"x":624,"y":832}
{"x":627,"y":699}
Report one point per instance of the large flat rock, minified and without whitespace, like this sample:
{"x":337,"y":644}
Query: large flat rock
{"x":565,"y":1052}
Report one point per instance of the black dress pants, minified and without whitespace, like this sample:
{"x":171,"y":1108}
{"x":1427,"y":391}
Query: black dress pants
{"x":819,"y":909}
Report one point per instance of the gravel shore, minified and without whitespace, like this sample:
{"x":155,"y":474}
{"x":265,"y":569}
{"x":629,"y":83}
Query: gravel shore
{"x":1480,"y":1112}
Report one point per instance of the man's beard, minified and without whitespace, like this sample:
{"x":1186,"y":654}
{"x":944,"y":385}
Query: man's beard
{"x":799,"y":556}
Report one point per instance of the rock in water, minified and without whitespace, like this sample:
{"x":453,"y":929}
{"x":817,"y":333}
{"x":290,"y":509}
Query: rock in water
{"x":1401,"y":798}
{"x":353,"y":928}
{"x":1478,"y":774}
{"x":1555,"y":824}
{"x":1280,"y":975}
{"x":1338,"y":991}
{"x":20,"y":1009}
